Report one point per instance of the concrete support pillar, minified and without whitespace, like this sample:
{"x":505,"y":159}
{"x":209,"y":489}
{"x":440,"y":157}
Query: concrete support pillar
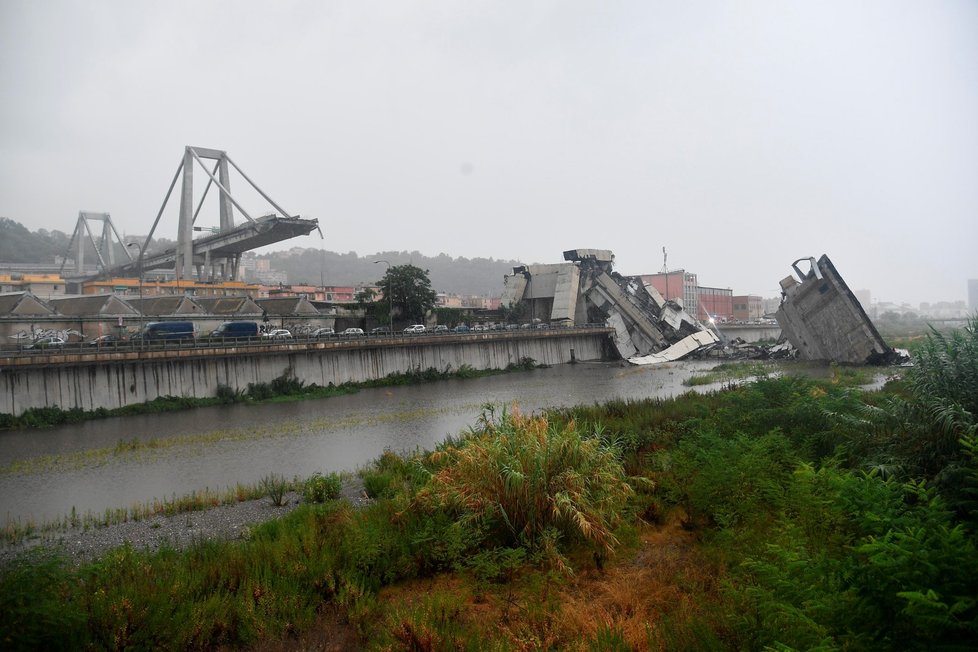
{"x":185,"y":230}
{"x":227,"y":215}
{"x":79,"y":249}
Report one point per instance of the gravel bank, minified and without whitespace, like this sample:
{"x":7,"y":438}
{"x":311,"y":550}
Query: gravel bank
{"x":225,"y":522}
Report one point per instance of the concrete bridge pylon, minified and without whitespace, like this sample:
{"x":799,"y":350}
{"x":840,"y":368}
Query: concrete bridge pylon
{"x":215,"y":256}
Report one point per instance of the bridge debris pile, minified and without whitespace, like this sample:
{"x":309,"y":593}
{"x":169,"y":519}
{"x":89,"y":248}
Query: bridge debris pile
{"x":586,"y":289}
{"x":822,"y":319}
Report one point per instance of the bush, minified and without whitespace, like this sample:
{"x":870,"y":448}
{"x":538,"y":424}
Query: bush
{"x":40,"y":606}
{"x":320,"y":488}
{"x":275,"y":487}
{"x":946,"y":368}
{"x":724,"y":481}
{"x":521,"y":481}
{"x":228,"y":395}
{"x":391,"y":473}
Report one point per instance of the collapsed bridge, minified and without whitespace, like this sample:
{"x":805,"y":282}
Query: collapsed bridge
{"x":586,"y":289}
{"x":214,"y":257}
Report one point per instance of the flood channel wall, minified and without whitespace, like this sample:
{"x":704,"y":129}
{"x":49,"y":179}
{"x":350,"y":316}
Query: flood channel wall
{"x":116,"y":379}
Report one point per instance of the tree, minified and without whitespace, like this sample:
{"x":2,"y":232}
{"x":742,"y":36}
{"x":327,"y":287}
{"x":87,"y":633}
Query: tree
{"x":410,"y":291}
{"x":365,"y":296}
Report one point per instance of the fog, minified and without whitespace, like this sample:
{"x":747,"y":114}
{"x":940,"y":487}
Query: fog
{"x":740,"y":136}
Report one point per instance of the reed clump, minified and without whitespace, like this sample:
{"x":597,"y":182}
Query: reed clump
{"x":522,"y":481}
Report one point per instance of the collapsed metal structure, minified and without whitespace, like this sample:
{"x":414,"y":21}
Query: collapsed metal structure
{"x":823,"y":320}
{"x":648,"y":328}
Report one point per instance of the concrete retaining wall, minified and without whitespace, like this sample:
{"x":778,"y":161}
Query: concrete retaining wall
{"x":117,"y":381}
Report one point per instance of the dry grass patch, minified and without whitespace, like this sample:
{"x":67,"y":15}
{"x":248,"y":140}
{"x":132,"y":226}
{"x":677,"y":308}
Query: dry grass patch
{"x":667,"y":577}
{"x":663,"y":579}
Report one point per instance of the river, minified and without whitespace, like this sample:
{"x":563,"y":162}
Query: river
{"x":126,"y":461}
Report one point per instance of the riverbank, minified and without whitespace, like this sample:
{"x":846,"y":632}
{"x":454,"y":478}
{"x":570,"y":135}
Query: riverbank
{"x":225,"y":522}
{"x":283,"y":389}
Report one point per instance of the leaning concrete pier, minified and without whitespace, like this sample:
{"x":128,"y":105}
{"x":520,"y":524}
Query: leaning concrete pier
{"x":91,"y":380}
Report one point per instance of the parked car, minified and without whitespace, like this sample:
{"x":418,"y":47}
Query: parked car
{"x":353,"y":332}
{"x":462,"y":328}
{"x":278,"y":334}
{"x":322,"y":332}
{"x":441,"y":328}
{"x":416,"y":328}
{"x":542,"y":326}
{"x":380,"y":330}
{"x":47,"y":343}
{"x":235,"y":329}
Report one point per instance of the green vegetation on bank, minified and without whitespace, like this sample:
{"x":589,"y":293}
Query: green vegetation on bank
{"x":283,"y":388}
{"x":730,"y":372}
{"x":784,"y":514}
{"x":318,"y":488}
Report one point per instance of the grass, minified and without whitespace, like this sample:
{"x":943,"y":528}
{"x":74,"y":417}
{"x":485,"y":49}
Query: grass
{"x":16,"y":531}
{"x":729,"y":372}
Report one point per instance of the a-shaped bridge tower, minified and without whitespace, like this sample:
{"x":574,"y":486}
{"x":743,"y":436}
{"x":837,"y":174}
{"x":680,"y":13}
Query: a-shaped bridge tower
{"x":215,"y":257}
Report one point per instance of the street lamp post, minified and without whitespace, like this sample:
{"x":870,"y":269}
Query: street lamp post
{"x":390,"y":297}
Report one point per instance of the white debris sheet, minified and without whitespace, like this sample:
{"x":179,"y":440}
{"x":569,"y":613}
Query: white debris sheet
{"x":689,"y":344}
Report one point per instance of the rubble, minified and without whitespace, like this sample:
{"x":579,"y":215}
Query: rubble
{"x":648,"y":329}
{"x":822,"y":319}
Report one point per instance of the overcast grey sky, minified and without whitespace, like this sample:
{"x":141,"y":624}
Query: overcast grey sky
{"x":739,"y":135}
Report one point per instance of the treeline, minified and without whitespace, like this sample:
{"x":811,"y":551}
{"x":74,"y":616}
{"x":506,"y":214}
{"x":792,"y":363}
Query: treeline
{"x":470,"y":276}
{"x":455,"y":275}
{"x":18,"y":244}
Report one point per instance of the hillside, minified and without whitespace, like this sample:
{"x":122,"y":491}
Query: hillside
{"x":471,"y":276}
{"x":477,"y":276}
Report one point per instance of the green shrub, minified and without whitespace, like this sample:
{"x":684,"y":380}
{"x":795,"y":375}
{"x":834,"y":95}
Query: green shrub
{"x":40,"y":606}
{"x":228,"y":395}
{"x":286,"y":384}
{"x":275,"y":487}
{"x":320,"y":488}
{"x":521,"y":481}
{"x":724,"y":481}
{"x":946,"y":368}
{"x":379,"y":484}
{"x":392,"y":473}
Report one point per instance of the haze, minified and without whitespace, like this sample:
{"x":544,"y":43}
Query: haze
{"x":739,"y":135}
